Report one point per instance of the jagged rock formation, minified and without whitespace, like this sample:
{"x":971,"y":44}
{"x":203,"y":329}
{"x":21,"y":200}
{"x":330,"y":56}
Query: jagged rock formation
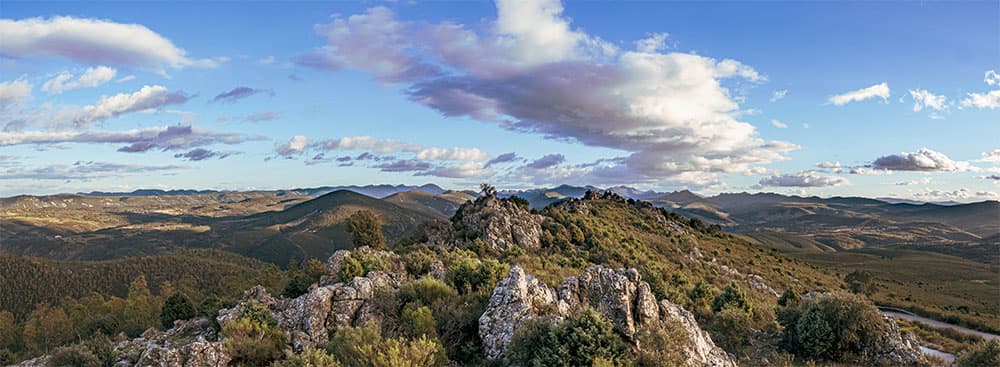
{"x":188,"y":344}
{"x":618,"y":294}
{"x":312,"y":318}
{"x":500,"y":223}
{"x":896,"y":348}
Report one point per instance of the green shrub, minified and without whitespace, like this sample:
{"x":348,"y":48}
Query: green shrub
{"x":75,"y":355}
{"x":308,"y":358}
{"x":661,"y":344}
{"x":427,"y":291}
{"x":176,"y":307}
{"x":349,"y":269}
{"x":365,"y":347}
{"x":253,"y":339}
{"x":418,"y":321}
{"x":469,"y":274}
{"x":730,"y":328}
{"x":984,"y":354}
{"x":832,"y":326}
{"x":733,"y":297}
{"x":861,"y":282}
{"x":580,"y":340}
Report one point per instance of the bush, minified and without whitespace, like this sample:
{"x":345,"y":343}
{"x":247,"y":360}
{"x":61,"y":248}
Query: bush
{"x":469,"y":274}
{"x":984,"y":354}
{"x":176,"y":307}
{"x":75,"y":355}
{"x":661,"y":344}
{"x":309,"y":358}
{"x":350,"y":269}
{"x":365,"y":347}
{"x":861,"y":282}
{"x":580,"y":340}
{"x":427,"y":291}
{"x":730,"y":328}
{"x":366,"y":229}
{"x":253,"y":339}
{"x":418,"y":321}
{"x":832,"y":326}
{"x":733,"y":297}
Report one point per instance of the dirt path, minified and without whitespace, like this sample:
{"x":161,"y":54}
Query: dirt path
{"x":939,"y":324}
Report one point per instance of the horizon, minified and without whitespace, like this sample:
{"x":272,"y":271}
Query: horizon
{"x":512,"y":191}
{"x":900,"y":103}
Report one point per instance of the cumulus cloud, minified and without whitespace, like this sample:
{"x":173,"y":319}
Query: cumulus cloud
{"x":990,"y":100}
{"x":547,"y":161}
{"x":90,"y":78}
{"x":803,"y":179}
{"x":460,"y":170}
{"x":163,"y":138}
{"x":992,"y":156}
{"x":92,"y":41}
{"x":200,"y":154}
{"x":962,"y":194}
{"x":654,"y":43}
{"x":296,"y":145}
{"x":529,"y":70}
{"x":778,"y":95}
{"x":13,"y":92}
{"x":779,"y":124}
{"x":239,"y":93}
{"x":263,"y":116}
{"x":923,"y":160}
{"x":922,"y":98}
{"x":82,"y":170}
{"x":149,"y":97}
{"x":878,"y":90}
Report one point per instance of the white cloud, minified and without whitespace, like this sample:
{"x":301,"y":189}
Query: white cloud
{"x":13,"y":93}
{"x":992,"y":156}
{"x":878,"y":90}
{"x":149,"y":97}
{"x":92,"y":41}
{"x":779,"y":124}
{"x":778,"y":95}
{"x":388,"y":146}
{"x":989,"y":100}
{"x":921,"y":181}
{"x":654,"y":43}
{"x":922,"y":98}
{"x":992,"y":78}
{"x":530,"y":71}
{"x":91,"y":78}
{"x":803,"y":179}
{"x":296,"y":145}
{"x":923,"y":160}
{"x":82,"y":170}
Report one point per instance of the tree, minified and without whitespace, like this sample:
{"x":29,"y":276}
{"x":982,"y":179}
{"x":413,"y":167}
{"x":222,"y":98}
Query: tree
{"x":366,"y":229}
{"x":47,"y":328}
{"x":487,"y":189}
{"x":141,"y":310}
{"x":8,"y":330}
{"x":861,"y":282}
{"x":832,"y":326}
{"x":177,"y":307}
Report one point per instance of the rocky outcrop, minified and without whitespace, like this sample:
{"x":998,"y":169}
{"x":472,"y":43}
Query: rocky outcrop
{"x":501,"y":224}
{"x":619,"y":295}
{"x":895,"y":347}
{"x":312,"y":318}
{"x":187,"y":344}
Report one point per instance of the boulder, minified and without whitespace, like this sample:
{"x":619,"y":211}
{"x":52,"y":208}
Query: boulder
{"x":500,"y":223}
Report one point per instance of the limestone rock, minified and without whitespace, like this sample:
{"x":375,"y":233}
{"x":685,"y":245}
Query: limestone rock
{"x":185,"y":345}
{"x":500,"y":223}
{"x":619,"y":295}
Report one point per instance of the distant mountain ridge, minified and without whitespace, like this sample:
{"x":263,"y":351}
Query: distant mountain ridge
{"x":375,"y":191}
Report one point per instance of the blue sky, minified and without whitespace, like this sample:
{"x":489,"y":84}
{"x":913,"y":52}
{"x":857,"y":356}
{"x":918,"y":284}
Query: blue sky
{"x":830,"y":98}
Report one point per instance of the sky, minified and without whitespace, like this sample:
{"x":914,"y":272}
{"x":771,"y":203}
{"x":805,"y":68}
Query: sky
{"x":876,"y":99}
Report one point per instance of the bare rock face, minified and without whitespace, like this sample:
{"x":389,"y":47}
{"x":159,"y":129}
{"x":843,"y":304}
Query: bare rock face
{"x":500,"y":223}
{"x":617,"y":294}
{"x":185,"y":345}
{"x":516,"y":299}
{"x":312,"y":318}
{"x":336,"y":263}
{"x":895,"y":348}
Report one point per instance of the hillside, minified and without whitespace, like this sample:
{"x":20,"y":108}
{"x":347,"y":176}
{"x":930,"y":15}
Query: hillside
{"x":30,"y":280}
